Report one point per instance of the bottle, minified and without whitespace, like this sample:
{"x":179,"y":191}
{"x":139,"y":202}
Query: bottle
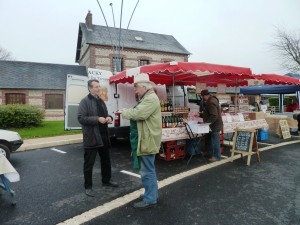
{"x":162,"y":122}
{"x":176,"y":120}
{"x":169,"y":122}
{"x":181,"y":120}
{"x":169,"y":106}
{"x":165,"y":106}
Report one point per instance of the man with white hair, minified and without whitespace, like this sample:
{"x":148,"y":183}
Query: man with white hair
{"x":147,"y":116}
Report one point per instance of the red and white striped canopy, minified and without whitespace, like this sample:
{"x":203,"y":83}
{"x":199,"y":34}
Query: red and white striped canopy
{"x":187,"y":73}
{"x":278,"y":79}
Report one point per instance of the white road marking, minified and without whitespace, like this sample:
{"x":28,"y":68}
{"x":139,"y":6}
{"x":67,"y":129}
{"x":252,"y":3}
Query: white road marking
{"x":264,"y":143}
{"x":130,"y":173}
{"x":123,"y":200}
{"x":56,"y":150}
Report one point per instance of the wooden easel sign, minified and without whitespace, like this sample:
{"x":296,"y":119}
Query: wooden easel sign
{"x":245,"y":143}
{"x":285,"y":129}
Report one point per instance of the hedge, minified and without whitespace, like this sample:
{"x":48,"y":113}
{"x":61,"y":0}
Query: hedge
{"x":20,"y":116}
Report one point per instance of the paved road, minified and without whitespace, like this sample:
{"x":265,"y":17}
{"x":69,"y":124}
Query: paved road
{"x":51,"y":191}
{"x":51,"y":186}
{"x":266,"y":193}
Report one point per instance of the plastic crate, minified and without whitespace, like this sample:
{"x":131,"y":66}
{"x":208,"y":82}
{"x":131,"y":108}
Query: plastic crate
{"x":180,"y":151}
{"x":170,"y":143}
{"x":262,"y":135}
{"x":172,"y":152}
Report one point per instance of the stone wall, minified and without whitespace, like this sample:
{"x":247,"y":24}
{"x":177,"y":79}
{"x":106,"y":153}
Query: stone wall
{"x":37,"y":98}
{"x":101,"y":57}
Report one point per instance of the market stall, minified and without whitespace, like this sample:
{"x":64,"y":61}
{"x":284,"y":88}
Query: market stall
{"x":278,"y":85}
{"x":183,"y":73}
{"x":275,"y":84}
{"x":274,"y":122}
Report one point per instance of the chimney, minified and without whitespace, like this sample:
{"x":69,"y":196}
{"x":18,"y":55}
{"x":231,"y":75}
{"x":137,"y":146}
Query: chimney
{"x":89,"y":20}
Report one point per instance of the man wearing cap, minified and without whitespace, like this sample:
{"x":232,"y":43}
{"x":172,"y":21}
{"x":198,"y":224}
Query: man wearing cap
{"x":212,"y":114}
{"x":147,"y":115}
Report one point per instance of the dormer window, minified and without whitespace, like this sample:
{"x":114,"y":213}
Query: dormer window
{"x":138,"y":38}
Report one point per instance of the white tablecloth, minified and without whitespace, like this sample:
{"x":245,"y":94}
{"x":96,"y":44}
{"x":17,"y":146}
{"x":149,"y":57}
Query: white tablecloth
{"x":8,"y":170}
{"x":251,"y":124}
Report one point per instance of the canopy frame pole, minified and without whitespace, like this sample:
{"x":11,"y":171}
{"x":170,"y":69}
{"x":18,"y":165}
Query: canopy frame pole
{"x":298,"y":97}
{"x":236,"y":100}
{"x":173,"y":101}
{"x":281,"y":100}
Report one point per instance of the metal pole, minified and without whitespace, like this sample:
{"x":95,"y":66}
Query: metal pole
{"x":132,"y":13}
{"x":119,"y":46}
{"x":112,"y":10}
{"x":112,"y":43}
{"x":129,"y":23}
{"x":236,"y":100}
{"x":173,"y":101}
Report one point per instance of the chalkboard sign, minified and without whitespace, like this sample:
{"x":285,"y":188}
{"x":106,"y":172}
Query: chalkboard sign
{"x":243,"y":140}
{"x":245,"y":143}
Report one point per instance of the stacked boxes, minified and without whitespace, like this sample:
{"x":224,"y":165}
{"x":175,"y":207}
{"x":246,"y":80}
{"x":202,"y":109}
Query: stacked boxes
{"x":172,"y":150}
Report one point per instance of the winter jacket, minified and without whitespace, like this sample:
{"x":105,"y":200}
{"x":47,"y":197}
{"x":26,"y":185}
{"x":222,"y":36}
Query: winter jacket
{"x":148,"y":116}
{"x":212,"y":114}
{"x":88,"y":118}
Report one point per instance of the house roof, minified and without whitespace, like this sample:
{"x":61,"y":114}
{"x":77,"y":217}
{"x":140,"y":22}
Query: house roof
{"x":31,"y":75}
{"x":108,"y":36}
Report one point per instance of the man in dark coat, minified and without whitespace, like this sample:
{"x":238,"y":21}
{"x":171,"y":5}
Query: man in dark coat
{"x":93,"y":117}
{"x":212,"y":114}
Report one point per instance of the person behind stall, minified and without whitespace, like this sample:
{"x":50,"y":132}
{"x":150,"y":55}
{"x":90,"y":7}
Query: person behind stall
{"x":212,"y":114}
{"x":296,"y":116}
{"x":147,"y":115}
{"x":256,"y":107}
{"x":292,"y":106}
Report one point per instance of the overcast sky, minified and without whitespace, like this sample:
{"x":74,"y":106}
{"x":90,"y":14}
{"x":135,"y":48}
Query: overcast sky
{"x":233,"y":32}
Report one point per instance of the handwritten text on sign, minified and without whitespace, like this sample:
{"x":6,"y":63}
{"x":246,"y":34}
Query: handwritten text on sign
{"x":243,"y":139}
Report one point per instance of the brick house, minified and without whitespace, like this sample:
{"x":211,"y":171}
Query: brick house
{"x":40,"y":84}
{"x":44,"y":84}
{"x":137,"y":48}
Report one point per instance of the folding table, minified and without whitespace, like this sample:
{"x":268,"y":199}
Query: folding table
{"x":8,"y":174}
{"x":195,"y":137}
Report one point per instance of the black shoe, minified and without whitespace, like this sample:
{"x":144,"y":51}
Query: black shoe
{"x":143,"y":205}
{"x":90,"y":192}
{"x":110,"y":184}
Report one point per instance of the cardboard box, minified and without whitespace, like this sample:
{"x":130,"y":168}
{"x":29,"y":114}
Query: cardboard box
{"x":256,"y":115}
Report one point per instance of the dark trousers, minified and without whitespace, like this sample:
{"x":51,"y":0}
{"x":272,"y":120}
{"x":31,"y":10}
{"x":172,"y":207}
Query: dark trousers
{"x":89,"y":161}
{"x":298,"y":119}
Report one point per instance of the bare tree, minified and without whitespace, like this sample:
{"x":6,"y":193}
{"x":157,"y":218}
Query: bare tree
{"x":5,"y":55}
{"x":287,"y":44}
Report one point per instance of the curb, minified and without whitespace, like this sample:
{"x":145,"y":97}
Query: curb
{"x":32,"y":144}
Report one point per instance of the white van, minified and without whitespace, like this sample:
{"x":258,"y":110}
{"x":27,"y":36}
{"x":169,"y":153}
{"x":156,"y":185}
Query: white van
{"x":117,"y":96}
